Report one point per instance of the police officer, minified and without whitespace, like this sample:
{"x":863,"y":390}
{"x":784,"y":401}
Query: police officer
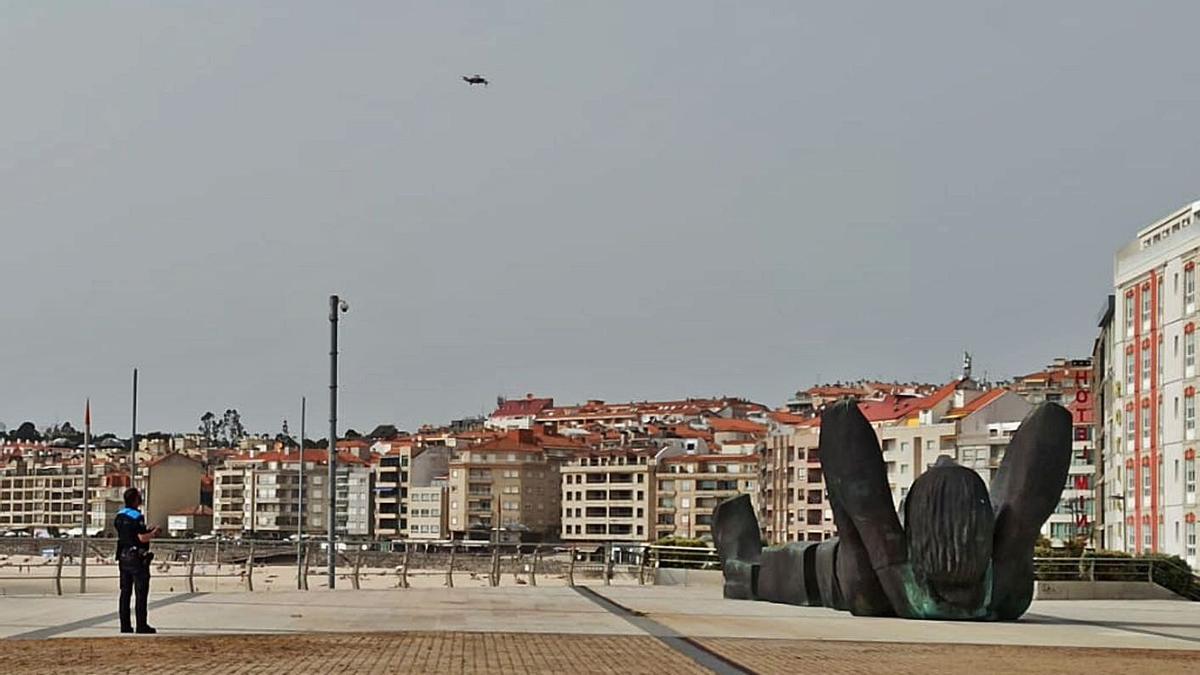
{"x":133,"y":560}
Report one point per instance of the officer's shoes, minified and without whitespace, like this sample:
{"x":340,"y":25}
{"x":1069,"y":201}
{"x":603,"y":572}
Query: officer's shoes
{"x":126,"y":629}
{"x":146,"y":630}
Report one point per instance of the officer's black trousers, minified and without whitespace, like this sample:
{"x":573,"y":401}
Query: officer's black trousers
{"x":135,"y":578}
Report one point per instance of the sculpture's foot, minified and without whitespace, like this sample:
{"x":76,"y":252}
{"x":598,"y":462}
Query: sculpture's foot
{"x":736,"y":536}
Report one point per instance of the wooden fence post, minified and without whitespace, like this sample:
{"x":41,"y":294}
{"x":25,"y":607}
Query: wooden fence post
{"x":192,"y":570}
{"x":307,"y":563}
{"x":250,"y":569}
{"x":571,"y":569}
{"x":357,"y":564}
{"x":404,"y":568}
{"x":608,"y":563}
{"x":642,"y":567}
{"x":58,"y":570}
{"x":494,"y":572}
{"x":450,"y":568}
{"x":537,"y":555}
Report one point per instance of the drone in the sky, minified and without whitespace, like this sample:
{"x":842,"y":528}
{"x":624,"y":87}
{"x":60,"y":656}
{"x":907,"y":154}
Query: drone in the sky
{"x":475,"y":79}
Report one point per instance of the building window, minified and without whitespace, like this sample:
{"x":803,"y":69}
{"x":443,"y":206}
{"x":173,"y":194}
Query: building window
{"x":1189,"y":416}
{"x":1191,"y":542}
{"x":1160,"y":301}
{"x":1189,"y":289}
{"x":1129,"y":373}
{"x":1189,"y":480}
{"x":1145,"y":427}
{"x":1129,"y":315}
{"x":1145,"y":311}
{"x":1145,"y":369}
{"x":1145,"y":486}
{"x":1129,"y":427}
{"x":1189,"y":354}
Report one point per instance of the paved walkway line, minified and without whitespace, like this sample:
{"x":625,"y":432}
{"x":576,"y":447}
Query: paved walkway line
{"x":1128,"y":628}
{"x":51,"y":631}
{"x":699,"y":654}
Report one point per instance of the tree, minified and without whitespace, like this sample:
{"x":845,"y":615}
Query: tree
{"x":232,"y":431}
{"x":350,"y":433}
{"x":26,"y":432}
{"x":209,"y":428}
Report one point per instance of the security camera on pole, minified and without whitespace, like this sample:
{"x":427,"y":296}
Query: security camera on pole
{"x":336,"y":307}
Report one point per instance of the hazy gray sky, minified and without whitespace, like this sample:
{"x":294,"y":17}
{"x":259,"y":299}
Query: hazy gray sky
{"x":650,"y":200}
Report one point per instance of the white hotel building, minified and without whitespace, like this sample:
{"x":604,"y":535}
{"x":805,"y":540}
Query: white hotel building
{"x":1150,"y":468}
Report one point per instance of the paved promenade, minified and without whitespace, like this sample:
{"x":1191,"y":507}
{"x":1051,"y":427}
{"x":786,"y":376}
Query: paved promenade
{"x":597,"y":629}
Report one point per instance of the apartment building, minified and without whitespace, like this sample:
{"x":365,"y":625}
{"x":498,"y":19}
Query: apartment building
{"x":401,"y":468}
{"x":429,"y":511}
{"x":608,"y":495}
{"x":43,"y":490}
{"x":392,"y":487}
{"x":689,"y":486}
{"x":1150,"y":463}
{"x":791,"y":484}
{"x":258,"y":494}
{"x":1100,"y":397}
{"x":168,"y":483}
{"x":508,"y":485}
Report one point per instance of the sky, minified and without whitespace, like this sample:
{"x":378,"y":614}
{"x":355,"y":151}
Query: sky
{"x":650,"y":200}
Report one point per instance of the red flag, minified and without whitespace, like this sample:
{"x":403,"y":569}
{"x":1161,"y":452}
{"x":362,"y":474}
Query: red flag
{"x":87,"y":413}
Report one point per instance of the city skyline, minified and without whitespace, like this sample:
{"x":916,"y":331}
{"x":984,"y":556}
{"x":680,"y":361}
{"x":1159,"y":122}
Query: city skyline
{"x":733,"y":201}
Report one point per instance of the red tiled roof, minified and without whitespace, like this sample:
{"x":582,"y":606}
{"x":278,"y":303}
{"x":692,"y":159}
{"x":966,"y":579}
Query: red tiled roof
{"x":684,"y":431}
{"x":890,"y":408}
{"x":516,"y":440}
{"x":523,"y":407}
{"x":979,"y":403}
{"x":938,"y":396}
{"x":721,"y":424}
{"x":787,"y":418}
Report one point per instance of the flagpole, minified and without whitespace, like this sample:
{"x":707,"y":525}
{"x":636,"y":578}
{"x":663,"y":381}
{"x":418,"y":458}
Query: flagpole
{"x":87,"y":470}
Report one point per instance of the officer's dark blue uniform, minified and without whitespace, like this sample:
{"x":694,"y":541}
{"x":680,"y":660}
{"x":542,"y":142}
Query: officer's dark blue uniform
{"x":133,"y":560}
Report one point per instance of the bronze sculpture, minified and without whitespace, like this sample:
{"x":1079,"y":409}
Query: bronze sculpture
{"x":958,"y":553}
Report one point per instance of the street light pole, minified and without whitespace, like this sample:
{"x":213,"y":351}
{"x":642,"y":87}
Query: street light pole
{"x":133,"y":434}
{"x":300,"y":504}
{"x":336,"y":306}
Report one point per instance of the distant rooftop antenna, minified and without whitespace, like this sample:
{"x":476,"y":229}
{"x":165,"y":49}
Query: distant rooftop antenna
{"x":966,"y":365}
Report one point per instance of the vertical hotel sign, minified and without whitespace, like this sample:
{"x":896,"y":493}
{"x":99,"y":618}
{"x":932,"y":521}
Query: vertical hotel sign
{"x":1082,"y":481}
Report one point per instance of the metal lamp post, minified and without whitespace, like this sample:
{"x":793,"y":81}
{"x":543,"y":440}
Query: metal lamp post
{"x":336,"y":307}
{"x":300,"y":503}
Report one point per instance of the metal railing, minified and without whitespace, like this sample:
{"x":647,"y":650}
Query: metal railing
{"x":52,"y":565}
{"x":43,"y":565}
{"x":1171,"y":576}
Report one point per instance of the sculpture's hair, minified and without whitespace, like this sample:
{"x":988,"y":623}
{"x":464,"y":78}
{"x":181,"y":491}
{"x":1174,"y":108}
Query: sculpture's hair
{"x":949,"y":525}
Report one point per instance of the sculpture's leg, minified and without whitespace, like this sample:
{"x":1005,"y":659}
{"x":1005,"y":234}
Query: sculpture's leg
{"x":872,"y":555}
{"x":788,"y":574}
{"x":739,"y":545}
{"x":1024,"y":493}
